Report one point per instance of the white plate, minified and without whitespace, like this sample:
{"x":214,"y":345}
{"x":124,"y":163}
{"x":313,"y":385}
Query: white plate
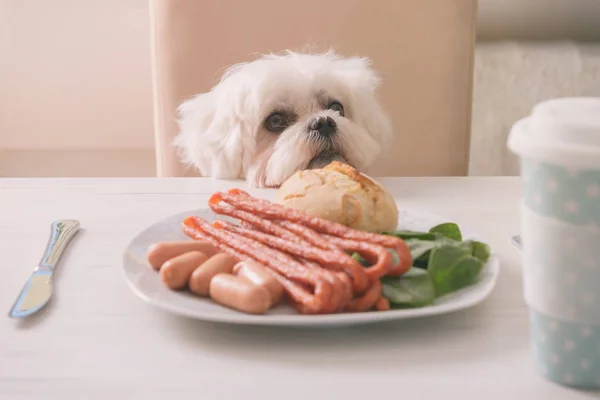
{"x":145,"y":282}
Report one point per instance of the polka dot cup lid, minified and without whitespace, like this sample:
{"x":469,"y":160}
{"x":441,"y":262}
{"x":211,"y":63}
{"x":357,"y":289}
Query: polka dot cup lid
{"x":564,"y":131}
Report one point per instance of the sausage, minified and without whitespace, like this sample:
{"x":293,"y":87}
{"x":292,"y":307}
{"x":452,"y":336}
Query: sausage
{"x":306,"y":255}
{"x":280,"y":262}
{"x":241,"y":200}
{"x":238,"y":293}
{"x":367,"y":300}
{"x":161,"y":252}
{"x":370,"y":251}
{"x":382,"y":304}
{"x":259,"y":275}
{"x":334,"y":259}
{"x":201,"y":277}
{"x":303,"y":300}
{"x":176,"y":272}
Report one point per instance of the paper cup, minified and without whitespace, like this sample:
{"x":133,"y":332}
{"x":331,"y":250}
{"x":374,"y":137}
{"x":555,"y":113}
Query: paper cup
{"x":559,"y":147}
{"x":566,"y":352}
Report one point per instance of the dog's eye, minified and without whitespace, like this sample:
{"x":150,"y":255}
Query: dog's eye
{"x":337,"y":106}
{"x":276,"y":122}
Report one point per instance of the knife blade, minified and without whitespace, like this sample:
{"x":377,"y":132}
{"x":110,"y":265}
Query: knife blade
{"x":38,"y":289}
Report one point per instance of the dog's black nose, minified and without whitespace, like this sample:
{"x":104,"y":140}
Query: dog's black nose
{"x":326,"y":126}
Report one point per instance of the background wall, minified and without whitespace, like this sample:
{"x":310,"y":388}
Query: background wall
{"x":75,"y":75}
{"x":528,"y":51}
{"x":76,"y":96}
{"x":510,"y":77}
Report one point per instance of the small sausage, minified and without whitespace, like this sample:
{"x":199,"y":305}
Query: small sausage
{"x":258,"y":275}
{"x":240,"y":294}
{"x":176,"y":272}
{"x":201,"y":277}
{"x":161,"y":252}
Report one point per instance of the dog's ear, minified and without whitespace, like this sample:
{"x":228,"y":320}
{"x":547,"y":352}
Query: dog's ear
{"x":210,"y":136}
{"x":357,"y":73}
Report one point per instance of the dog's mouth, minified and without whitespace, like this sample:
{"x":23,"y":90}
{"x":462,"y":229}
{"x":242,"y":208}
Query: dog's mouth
{"x":325,"y":158}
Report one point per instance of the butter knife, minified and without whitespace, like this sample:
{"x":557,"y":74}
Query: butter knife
{"x":38,"y":289}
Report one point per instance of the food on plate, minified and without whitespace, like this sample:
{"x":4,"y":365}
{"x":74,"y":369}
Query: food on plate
{"x":443,"y":263}
{"x":159,"y":253}
{"x":263,"y":253}
{"x":249,"y":291}
{"x":259,"y":275}
{"x":199,"y":281}
{"x":414,"y":289}
{"x":176,"y":272}
{"x":341,"y":194}
{"x":309,"y":256}
{"x":240,"y":294}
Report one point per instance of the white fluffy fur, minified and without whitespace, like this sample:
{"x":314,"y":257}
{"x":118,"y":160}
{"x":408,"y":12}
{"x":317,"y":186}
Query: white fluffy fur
{"x":222,"y":132}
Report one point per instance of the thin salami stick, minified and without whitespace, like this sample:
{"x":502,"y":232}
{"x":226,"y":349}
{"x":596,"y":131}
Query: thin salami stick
{"x":304,"y":253}
{"x":320,"y":240}
{"x":368,"y":300}
{"x":266,"y":225}
{"x":295,"y":292}
{"x":382,"y":304}
{"x":259,"y":207}
{"x":341,"y":292}
{"x":338,"y":287}
{"x":323,"y":257}
{"x":302,"y":236}
{"x":276,"y":260}
{"x":314,"y":238}
{"x":373,"y":296}
{"x":196,"y":234}
{"x":371,"y":251}
{"x":241,"y":200}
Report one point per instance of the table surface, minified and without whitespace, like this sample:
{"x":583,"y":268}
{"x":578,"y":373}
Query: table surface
{"x":96,"y":339}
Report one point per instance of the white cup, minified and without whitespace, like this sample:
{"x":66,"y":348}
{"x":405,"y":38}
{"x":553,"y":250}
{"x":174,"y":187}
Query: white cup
{"x":559,"y":148}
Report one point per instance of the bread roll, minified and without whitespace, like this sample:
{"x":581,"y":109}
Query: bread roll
{"x":339,"y":193}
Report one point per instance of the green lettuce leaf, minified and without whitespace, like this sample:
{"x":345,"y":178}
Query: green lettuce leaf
{"x":413,"y":289}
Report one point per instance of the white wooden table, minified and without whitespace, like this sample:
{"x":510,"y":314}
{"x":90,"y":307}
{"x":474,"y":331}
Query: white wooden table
{"x":97,"y":340}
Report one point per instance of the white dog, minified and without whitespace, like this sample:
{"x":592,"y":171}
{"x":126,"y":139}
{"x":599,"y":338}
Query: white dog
{"x":271,"y":117}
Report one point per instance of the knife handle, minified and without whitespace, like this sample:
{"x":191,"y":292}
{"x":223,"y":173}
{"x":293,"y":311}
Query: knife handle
{"x":61,"y":233}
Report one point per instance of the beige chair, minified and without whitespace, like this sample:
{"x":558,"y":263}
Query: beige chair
{"x":423,"y":50}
